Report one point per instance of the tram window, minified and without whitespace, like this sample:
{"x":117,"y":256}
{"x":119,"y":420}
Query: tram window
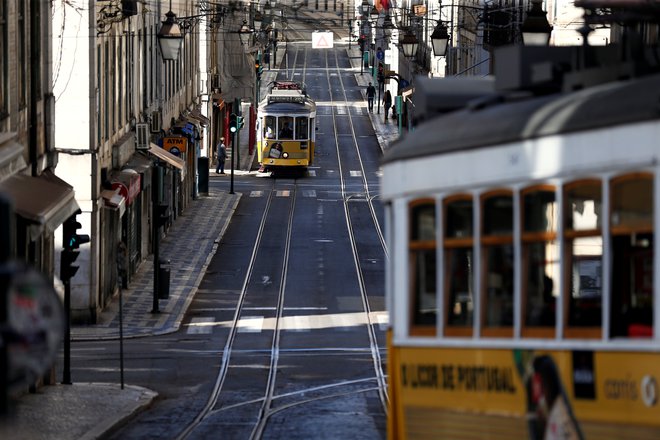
{"x":422,"y":253}
{"x":285,"y":127}
{"x":540,"y":260}
{"x":459,"y":265}
{"x":302,"y":128}
{"x":584,"y":256}
{"x":498,"y":264}
{"x":632,"y":256}
{"x":269,"y":127}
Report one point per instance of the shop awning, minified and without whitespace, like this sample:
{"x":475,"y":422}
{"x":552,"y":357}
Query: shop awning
{"x":142,"y":164}
{"x":200,"y":117}
{"x":169,"y":158}
{"x":46,"y":201}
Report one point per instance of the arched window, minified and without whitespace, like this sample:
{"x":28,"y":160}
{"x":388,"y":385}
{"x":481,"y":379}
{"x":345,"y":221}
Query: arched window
{"x":497,"y":263}
{"x":422,"y":264}
{"x":459,"y":265}
{"x":631,"y":226}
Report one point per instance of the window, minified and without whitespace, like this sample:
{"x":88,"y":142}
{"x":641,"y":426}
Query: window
{"x":4,"y":57}
{"x":269,"y":127}
{"x":285,"y":127}
{"x":497,"y":263}
{"x":22,"y":65}
{"x":631,"y":224}
{"x":302,"y":127}
{"x":583,"y":258}
{"x":540,"y":259}
{"x":422,"y":257}
{"x":459,"y":265}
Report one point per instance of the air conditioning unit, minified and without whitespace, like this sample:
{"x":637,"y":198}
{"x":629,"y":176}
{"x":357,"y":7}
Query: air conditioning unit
{"x":142,"y":136}
{"x":155,"y":122}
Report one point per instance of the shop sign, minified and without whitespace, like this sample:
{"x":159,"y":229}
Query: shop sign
{"x":176,"y":145}
{"x":129,"y":185}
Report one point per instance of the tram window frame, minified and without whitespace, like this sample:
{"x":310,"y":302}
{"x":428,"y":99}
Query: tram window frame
{"x":301,"y":132}
{"x":454,"y":246}
{"x":530,"y":239}
{"x":281,"y":122}
{"x":489,"y":241}
{"x":422,"y":248}
{"x":583,"y":237}
{"x":631,"y":240}
{"x":270,"y":122}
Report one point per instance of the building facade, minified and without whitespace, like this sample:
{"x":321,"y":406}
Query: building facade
{"x":128,"y":134}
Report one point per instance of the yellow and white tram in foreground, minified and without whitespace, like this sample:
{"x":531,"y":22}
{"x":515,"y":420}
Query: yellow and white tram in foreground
{"x":286,"y":127}
{"x":523,"y":280}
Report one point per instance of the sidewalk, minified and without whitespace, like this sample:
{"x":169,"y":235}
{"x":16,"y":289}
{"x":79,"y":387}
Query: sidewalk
{"x":87,"y":411}
{"x":386,"y":132}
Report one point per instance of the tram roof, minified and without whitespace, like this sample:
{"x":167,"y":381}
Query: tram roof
{"x":490,"y":124}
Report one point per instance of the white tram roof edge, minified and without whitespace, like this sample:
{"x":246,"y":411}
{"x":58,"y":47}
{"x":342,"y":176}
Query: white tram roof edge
{"x":536,"y":138}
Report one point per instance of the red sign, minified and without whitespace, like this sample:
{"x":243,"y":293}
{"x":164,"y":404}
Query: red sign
{"x":128,"y":183}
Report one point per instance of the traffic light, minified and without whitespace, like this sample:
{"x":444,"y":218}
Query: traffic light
{"x":258,"y":68}
{"x":233,"y":123}
{"x":71,"y":241}
{"x":67,"y":269}
{"x":240,"y":122}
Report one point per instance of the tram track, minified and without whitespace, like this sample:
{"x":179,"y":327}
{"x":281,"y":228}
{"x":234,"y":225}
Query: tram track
{"x":270,"y":403}
{"x":373,"y":339}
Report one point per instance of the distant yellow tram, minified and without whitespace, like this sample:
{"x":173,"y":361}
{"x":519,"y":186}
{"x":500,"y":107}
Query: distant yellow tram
{"x":286,"y":127}
{"x":522,"y":281}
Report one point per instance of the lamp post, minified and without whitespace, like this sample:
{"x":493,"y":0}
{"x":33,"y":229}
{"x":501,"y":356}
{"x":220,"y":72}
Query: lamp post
{"x":535,"y":29}
{"x":170,"y":37}
{"x":440,"y":39}
{"x":244,"y":33}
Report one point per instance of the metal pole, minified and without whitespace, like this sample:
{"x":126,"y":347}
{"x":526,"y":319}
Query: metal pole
{"x":66,"y":369}
{"x":233,"y":149}
{"x":155,"y":237}
{"x":121,"y":337}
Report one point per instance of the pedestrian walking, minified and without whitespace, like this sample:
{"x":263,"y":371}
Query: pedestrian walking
{"x":387,"y":103}
{"x":371,"y":93}
{"x":221,"y":156}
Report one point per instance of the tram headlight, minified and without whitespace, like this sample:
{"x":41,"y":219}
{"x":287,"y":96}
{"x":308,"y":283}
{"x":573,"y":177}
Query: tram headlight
{"x":285,"y":155}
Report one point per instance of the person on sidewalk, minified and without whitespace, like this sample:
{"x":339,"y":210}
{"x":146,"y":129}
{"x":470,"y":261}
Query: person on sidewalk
{"x":371,"y":93}
{"x":387,"y":103}
{"x":221,"y":156}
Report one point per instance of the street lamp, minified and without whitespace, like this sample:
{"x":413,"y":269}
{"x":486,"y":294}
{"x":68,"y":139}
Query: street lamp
{"x":409,"y":44}
{"x":388,"y":26}
{"x":374,"y":14}
{"x":365,"y":7}
{"x":440,"y":39}
{"x":244,"y":33}
{"x":535,"y":29}
{"x":170,"y":37}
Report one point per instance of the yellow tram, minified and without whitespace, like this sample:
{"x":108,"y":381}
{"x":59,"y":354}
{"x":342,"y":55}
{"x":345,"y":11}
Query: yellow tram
{"x":522,"y":284}
{"x":286,"y":127}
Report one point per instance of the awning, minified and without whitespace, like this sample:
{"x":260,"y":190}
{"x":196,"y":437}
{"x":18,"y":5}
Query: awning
{"x":169,"y":158}
{"x":47,"y":201}
{"x":113,"y":200}
{"x":142,"y":164}
{"x":200,"y":117}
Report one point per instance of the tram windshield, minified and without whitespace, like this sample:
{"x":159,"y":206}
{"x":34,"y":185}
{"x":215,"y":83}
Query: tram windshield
{"x":285,"y":124}
{"x":302,"y":127}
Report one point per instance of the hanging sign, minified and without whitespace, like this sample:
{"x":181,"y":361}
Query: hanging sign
{"x":176,"y":145}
